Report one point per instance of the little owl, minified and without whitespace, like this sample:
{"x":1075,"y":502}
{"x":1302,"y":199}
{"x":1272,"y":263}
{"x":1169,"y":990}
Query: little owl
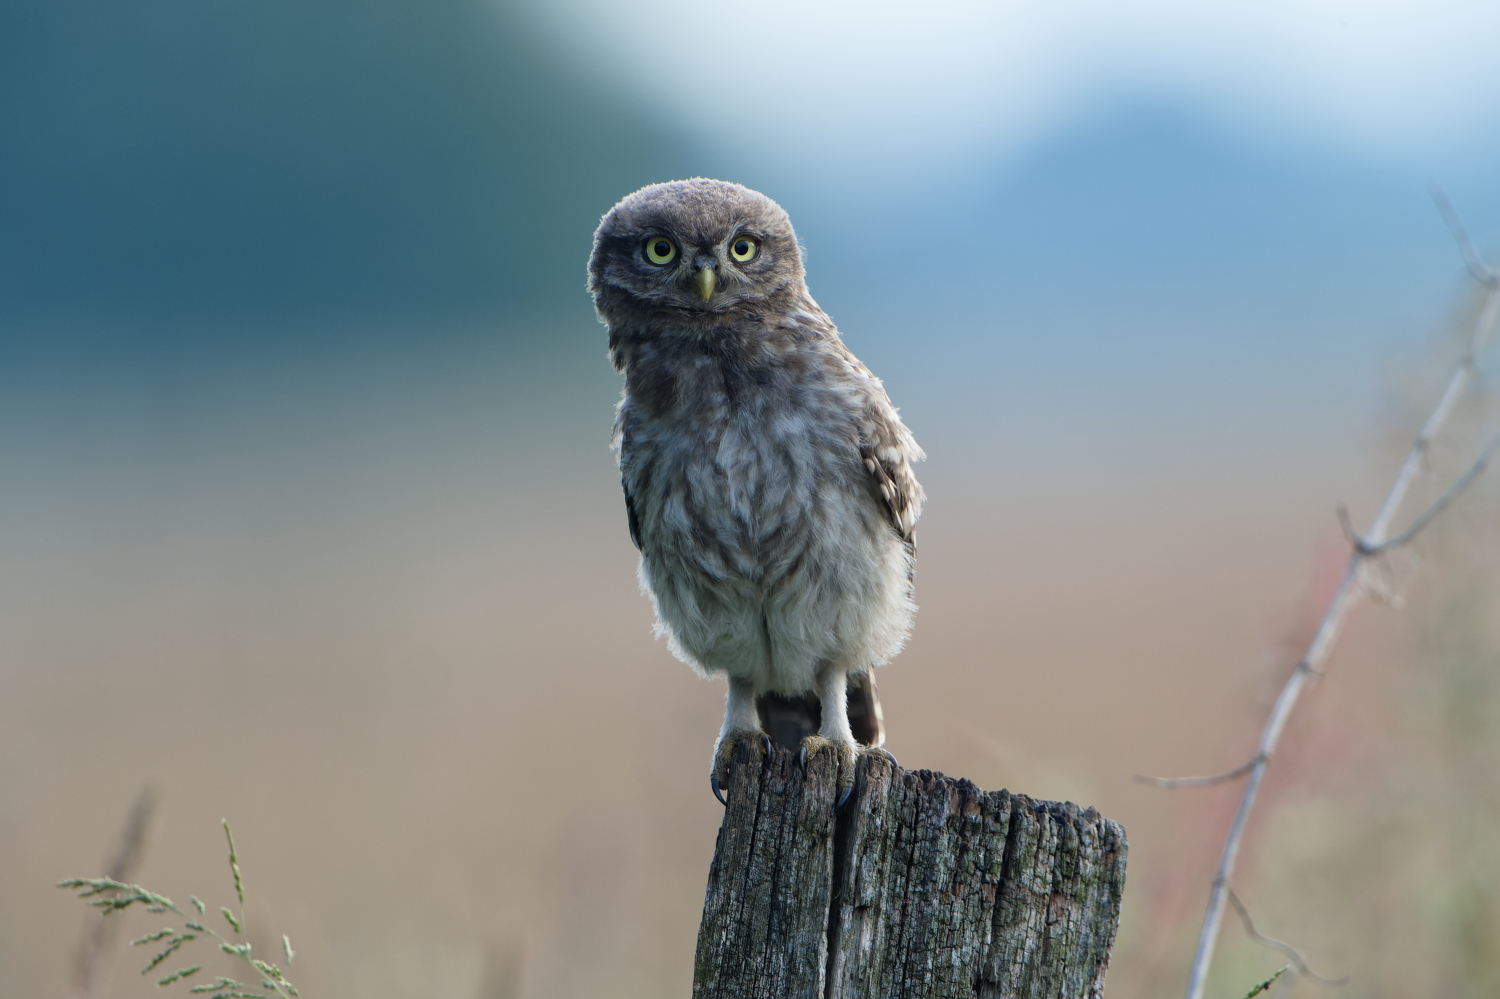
{"x":768,"y":480}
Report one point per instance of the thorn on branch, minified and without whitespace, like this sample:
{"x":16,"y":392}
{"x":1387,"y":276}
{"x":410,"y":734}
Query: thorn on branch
{"x":1472,"y":259}
{"x":1286,"y":949}
{"x":1222,"y":778}
{"x":1355,"y":539}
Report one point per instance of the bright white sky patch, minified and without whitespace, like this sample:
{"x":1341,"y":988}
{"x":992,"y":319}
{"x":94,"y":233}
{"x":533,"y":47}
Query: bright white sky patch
{"x":831,"y":80}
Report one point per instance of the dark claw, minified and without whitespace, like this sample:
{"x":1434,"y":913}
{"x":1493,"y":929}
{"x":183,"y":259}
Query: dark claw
{"x":843,"y":798}
{"x":802,"y":758}
{"x":714,"y":782}
{"x":765,"y":742}
{"x":887,"y":754}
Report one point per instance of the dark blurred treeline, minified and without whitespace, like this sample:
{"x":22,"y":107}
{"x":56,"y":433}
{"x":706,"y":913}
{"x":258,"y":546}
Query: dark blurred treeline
{"x":291,"y":159}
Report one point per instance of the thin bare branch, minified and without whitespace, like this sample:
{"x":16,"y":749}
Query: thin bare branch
{"x":1477,"y":267}
{"x":1343,"y":600}
{"x":1431,"y":513}
{"x":1279,"y":945}
{"x":1222,"y":778}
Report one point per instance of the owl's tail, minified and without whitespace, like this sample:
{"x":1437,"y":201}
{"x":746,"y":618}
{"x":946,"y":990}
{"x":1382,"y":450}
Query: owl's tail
{"x":789,"y":720}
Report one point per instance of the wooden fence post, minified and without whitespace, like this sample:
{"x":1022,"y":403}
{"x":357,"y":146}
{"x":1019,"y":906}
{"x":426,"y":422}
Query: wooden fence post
{"x":921,"y":886}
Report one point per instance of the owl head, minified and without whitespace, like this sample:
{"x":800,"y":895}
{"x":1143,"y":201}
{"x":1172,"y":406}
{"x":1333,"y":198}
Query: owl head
{"x":693,"y":250}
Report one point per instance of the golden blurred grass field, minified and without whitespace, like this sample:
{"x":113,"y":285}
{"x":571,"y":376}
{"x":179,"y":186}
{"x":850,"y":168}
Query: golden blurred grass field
{"x":383,"y":617}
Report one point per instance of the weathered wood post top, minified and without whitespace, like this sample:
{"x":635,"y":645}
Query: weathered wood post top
{"x":921,"y":886}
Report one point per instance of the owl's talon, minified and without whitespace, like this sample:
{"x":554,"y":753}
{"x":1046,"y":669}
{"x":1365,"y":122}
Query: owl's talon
{"x":847,"y":753}
{"x":718,"y":775}
{"x":887,"y":754}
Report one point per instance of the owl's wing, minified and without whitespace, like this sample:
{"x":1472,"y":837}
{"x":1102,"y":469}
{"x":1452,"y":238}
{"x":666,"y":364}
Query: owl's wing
{"x":888,"y":450}
{"x":886,"y":447}
{"x":892,"y":472}
{"x":631,"y":516}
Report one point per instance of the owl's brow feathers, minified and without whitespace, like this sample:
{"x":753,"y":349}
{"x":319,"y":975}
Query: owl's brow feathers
{"x":701,"y":216}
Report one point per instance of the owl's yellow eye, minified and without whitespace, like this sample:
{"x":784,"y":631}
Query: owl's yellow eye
{"x":659,"y":250}
{"x":743,"y":249}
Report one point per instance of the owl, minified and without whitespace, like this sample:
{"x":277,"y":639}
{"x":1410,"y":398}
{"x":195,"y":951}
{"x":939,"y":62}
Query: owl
{"x":768,"y":479}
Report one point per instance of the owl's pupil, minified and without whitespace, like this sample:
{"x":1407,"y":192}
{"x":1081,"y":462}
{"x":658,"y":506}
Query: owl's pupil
{"x":742,"y":248}
{"x":660,"y":249}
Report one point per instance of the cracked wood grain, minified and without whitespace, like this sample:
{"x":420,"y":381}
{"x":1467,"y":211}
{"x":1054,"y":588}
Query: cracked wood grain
{"x":922,"y":886}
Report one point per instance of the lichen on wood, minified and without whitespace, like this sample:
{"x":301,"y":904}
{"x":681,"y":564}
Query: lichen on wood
{"x":921,"y":886}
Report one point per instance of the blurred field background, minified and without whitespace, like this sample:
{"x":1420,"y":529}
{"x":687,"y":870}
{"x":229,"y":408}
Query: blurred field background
{"x":307,"y":516}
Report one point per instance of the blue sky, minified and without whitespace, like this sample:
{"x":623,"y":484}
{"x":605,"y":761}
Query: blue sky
{"x":1404,"y":82}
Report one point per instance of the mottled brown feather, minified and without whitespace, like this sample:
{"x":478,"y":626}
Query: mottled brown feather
{"x":767,"y":478}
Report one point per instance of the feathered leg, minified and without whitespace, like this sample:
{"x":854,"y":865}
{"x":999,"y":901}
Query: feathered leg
{"x":836,"y":735}
{"x":740,"y":721}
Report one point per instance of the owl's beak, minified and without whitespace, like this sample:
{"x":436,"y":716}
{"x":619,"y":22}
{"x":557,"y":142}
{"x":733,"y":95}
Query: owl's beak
{"x":707,"y":278}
